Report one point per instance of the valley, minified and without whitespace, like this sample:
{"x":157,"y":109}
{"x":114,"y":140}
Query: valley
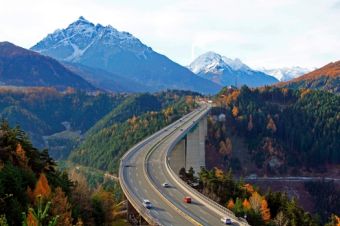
{"x":202,"y":115}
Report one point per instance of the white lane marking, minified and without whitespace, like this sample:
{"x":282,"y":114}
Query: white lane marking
{"x":169,"y":215}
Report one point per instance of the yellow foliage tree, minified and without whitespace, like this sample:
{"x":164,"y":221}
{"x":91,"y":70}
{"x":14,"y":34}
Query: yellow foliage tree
{"x":265,"y":211}
{"x":271,"y":125}
{"x":61,"y":207}
{"x":230,"y":204}
{"x":255,"y":201}
{"x":42,"y":187}
{"x":223,"y":148}
{"x":249,"y":188}
{"x":31,"y":220}
{"x":235,"y":94}
{"x":219,"y":173}
{"x":235,"y":111}
{"x":21,"y":154}
{"x":304,"y":92}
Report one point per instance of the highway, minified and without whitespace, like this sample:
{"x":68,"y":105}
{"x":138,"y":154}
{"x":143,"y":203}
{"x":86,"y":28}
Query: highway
{"x":143,"y":170}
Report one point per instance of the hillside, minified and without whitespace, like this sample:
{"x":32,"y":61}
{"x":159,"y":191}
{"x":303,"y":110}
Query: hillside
{"x":136,"y":118}
{"x":119,"y":53}
{"x":52,"y":119}
{"x":326,"y":78}
{"x":34,"y":192}
{"x":21,"y":67}
{"x":283,"y":131}
{"x":106,"y":80}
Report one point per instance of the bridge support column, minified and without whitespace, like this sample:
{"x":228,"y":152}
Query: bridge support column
{"x":190,"y":151}
{"x":178,"y":156}
{"x":195,"y":147}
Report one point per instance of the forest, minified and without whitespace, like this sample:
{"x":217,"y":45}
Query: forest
{"x":136,"y":118}
{"x":34,"y":192}
{"x":43,"y":113}
{"x":284,"y":131}
{"x":245,"y":200}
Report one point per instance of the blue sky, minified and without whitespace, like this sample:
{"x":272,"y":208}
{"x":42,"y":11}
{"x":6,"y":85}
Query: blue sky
{"x":262,"y":33}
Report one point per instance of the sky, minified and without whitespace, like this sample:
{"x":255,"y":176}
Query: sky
{"x":262,"y":33}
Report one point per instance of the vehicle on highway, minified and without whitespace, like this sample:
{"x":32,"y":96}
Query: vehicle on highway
{"x":226,"y":220}
{"x":147,"y":204}
{"x":181,"y":129}
{"x":165,"y":185}
{"x":187,"y":199}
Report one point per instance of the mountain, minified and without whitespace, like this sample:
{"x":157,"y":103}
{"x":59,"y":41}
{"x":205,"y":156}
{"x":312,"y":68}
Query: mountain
{"x":119,"y":53}
{"x":135,"y":118}
{"x":55,"y":120}
{"x":325,"y":78}
{"x":22,"y":67}
{"x":106,"y":80}
{"x":225,"y":71}
{"x":286,"y":73}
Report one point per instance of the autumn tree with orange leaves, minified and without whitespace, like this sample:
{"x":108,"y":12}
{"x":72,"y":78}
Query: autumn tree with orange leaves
{"x":42,"y":187}
{"x":61,"y":207}
{"x":265,"y":211}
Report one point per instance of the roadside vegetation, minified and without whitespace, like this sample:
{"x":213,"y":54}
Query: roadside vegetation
{"x":33,"y":192}
{"x":245,"y":200}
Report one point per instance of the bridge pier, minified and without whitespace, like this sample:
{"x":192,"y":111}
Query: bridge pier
{"x":190,"y":151}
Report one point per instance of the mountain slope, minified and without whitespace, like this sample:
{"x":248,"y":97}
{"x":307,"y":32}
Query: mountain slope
{"x":21,"y":67}
{"x":106,"y":80}
{"x":286,"y":73}
{"x":134,"y":119}
{"x":119,"y":53}
{"x":225,"y":71}
{"x":325,"y":78}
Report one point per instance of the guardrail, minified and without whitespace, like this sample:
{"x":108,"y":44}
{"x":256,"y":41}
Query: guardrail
{"x":221,"y":210}
{"x":130,"y":196}
{"x":197,"y":195}
{"x":152,"y":183}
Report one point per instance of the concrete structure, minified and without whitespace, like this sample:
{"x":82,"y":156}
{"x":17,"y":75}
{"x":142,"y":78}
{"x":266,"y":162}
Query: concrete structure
{"x":190,"y":151}
{"x":146,"y":166}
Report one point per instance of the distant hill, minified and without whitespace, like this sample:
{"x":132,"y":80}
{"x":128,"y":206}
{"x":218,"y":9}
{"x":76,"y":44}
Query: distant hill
{"x":326,"y":78}
{"x":226,"y":72}
{"x":53,"y":119}
{"x":21,"y":67}
{"x":134,"y":119}
{"x":120,"y":53}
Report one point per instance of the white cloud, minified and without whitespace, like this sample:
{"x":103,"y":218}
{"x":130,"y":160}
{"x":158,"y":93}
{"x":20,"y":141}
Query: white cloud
{"x":260,"y":32}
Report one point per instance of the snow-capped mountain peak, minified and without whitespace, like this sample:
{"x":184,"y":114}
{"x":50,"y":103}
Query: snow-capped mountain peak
{"x":286,"y":73}
{"x":225,"y":71}
{"x":73,"y":41}
{"x":211,"y":61}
